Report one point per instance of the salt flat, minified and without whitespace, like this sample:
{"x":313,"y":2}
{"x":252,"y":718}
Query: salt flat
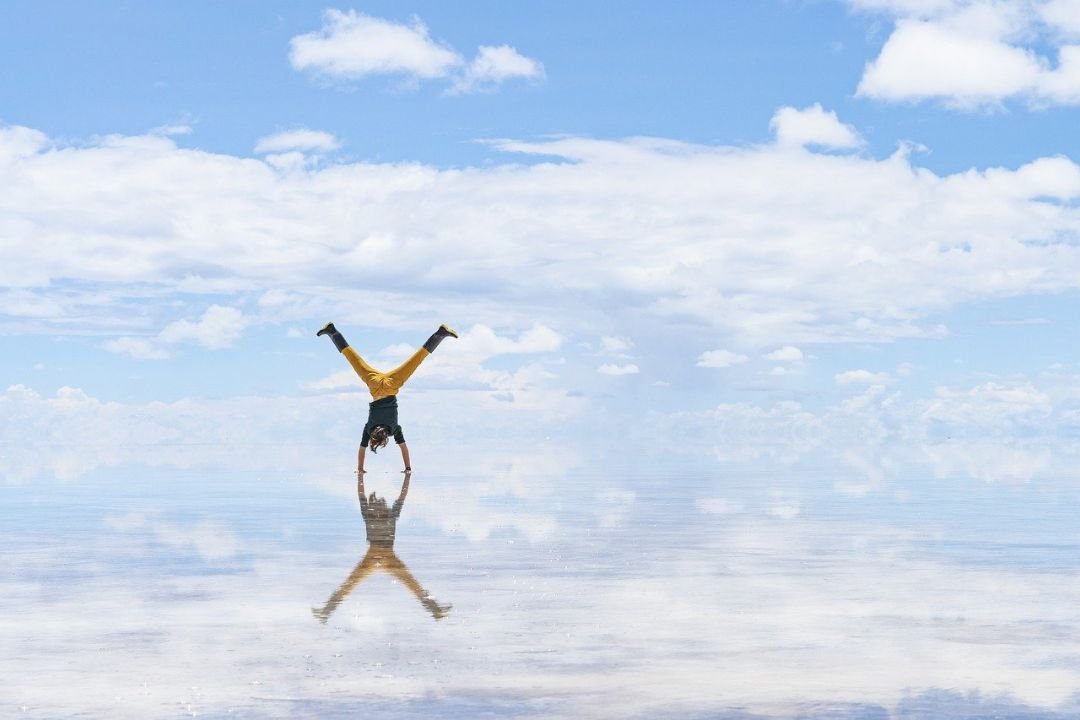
{"x":590,"y":594}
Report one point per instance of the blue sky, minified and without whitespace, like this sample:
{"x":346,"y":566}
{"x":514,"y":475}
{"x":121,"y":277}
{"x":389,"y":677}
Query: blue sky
{"x":699,"y":72}
{"x":653,"y":212}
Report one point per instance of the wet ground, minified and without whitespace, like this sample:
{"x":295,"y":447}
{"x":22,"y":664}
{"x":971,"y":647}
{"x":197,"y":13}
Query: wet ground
{"x":628,"y":592}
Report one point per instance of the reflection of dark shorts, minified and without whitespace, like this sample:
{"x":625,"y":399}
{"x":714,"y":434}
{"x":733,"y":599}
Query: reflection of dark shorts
{"x":383,"y":412}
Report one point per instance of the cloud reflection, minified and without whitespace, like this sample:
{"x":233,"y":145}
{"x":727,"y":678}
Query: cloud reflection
{"x":673,"y":597}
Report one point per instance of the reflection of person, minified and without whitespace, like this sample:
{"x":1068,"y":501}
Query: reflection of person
{"x":381,"y":525}
{"x":382,"y":411}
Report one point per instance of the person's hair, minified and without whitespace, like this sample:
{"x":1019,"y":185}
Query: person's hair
{"x":380,"y":435}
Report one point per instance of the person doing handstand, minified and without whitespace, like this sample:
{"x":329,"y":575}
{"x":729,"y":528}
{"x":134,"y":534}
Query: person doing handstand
{"x":382,"y":411}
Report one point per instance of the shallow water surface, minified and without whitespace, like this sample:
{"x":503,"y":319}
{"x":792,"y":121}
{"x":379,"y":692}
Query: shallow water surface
{"x":625,"y":593}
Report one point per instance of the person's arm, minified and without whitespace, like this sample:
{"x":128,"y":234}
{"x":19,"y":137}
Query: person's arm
{"x":360,"y":462}
{"x":361,"y":494}
{"x":405,"y":459}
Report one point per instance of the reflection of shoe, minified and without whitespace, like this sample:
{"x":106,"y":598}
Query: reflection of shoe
{"x":437,"y":611}
{"x":446,"y":331}
{"x":327,"y":329}
{"x":320,"y":614}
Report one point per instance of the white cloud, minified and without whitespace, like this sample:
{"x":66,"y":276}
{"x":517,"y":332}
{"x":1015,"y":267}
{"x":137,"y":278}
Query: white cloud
{"x":340,"y":380}
{"x":138,"y":348}
{"x":992,"y":404}
{"x":743,"y":432}
{"x":720,"y":359}
{"x":218,"y":328}
{"x":482,"y":341}
{"x":912,"y":8}
{"x":923,"y":60}
{"x":173,"y":129}
{"x":300,"y":139}
{"x":788,"y":353}
{"x":813,"y":126}
{"x":971,"y":54}
{"x":615,"y":345}
{"x":1062,"y":16}
{"x":609,"y":369}
{"x":352,"y":45}
{"x":1007,"y":430}
{"x":17,"y":142}
{"x":494,"y":65}
{"x":408,"y":241}
{"x":71,"y":433}
{"x":861,"y":377}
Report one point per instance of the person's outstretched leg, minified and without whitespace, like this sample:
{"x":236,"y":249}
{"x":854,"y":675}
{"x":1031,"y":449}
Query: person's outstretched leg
{"x":365,"y":371}
{"x":404,"y":371}
{"x":432,"y":342}
{"x":332,"y":332}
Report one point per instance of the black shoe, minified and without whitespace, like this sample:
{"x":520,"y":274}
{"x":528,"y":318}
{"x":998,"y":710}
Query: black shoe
{"x":331,"y":332}
{"x":437,"y":337}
